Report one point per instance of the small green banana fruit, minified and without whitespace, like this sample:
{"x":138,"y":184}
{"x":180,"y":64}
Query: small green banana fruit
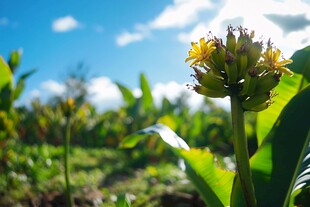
{"x":267,"y":82}
{"x":250,"y":81}
{"x":255,"y":101}
{"x":254,"y":53}
{"x":210,"y":93}
{"x":231,"y":40}
{"x":231,"y":68}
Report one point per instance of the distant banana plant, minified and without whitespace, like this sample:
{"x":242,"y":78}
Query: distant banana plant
{"x":9,"y":92}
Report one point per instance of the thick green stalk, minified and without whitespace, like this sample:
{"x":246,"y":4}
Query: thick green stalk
{"x":69,"y":199}
{"x":241,"y":151}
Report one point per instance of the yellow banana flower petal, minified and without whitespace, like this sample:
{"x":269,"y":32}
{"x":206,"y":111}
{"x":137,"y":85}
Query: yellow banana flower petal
{"x":286,"y":71}
{"x":196,"y":47}
{"x":189,"y":58}
{"x":201,"y":53}
{"x":285,"y":62}
{"x":271,"y":60}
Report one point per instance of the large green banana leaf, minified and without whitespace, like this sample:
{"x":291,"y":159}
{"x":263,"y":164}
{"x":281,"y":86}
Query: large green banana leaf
{"x":212,"y":182}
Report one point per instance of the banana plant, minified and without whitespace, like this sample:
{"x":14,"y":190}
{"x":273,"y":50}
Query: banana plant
{"x":141,"y":109}
{"x":9,"y":92}
{"x":273,"y":176}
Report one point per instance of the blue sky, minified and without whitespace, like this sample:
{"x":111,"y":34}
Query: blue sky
{"x":117,"y":40}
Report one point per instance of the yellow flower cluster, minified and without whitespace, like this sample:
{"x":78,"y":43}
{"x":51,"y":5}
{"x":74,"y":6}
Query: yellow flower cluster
{"x":240,"y":67}
{"x":271,"y":59}
{"x":201,"y":53}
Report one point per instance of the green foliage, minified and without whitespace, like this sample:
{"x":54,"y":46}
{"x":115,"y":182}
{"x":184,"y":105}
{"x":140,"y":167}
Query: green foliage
{"x":287,"y":89}
{"x":127,"y":95}
{"x":214,"y":184}
{"x":6,"y":83}
{"x":45,"y":123}
{"x":300,"y":64}
{"x":167,"y":135}
{"x":276,"y":163}
{"x":21,"y":83}
{"x":147,"y":99}
{"x":14,"y":60}
{"x":301,"y":188}
{"x":97,"y":177}
{"x":6,"y":74}
{"x":8,"y":92}
{"x":211,"y":181}
{"x":8,"y":116}
{"x":122,"y":201}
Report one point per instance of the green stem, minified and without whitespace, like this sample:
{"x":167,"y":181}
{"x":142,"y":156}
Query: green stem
{"x":67,"y":172}
{"x":241,"y":151}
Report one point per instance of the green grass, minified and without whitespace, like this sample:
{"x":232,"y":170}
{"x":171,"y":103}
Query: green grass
{"x":97,"y":177}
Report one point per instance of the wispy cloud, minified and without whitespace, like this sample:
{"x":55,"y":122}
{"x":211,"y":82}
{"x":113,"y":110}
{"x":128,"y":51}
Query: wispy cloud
{"x":65,"y":24}
{"x":52,"y":87}
{"x":177,"y":15}
{"x":47,"y":90}
{"x":173,"y":91}
{"x":255,"y":15}
{"x":198,"y":31}
{"x":35,"y":94}
{"x":4,"y":21}
{"x":180,"y":14}
{"x":98,"y":28}
{"x":104,"y":94}
{"x":126,"y":38}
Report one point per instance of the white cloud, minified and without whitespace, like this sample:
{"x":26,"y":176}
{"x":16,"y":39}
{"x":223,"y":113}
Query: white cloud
{"x":47,"y":90}
{"x":222,"y":102}
{"x":104,"y":94}
{"x":177,"y":15}
{"x":126,"y":38}
{"x":180,"y":14}
{"x":137,"y":92}
{"x":198,"y":31}
{"x":51,"y":87}
{"x":65,"y":24}
{"x":173,"y":90}
{"x":35,"y":93}
{"x":252,"y":15}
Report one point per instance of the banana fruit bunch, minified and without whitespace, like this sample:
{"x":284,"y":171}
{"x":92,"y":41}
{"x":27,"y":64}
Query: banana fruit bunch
{"x":242,"y":67}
